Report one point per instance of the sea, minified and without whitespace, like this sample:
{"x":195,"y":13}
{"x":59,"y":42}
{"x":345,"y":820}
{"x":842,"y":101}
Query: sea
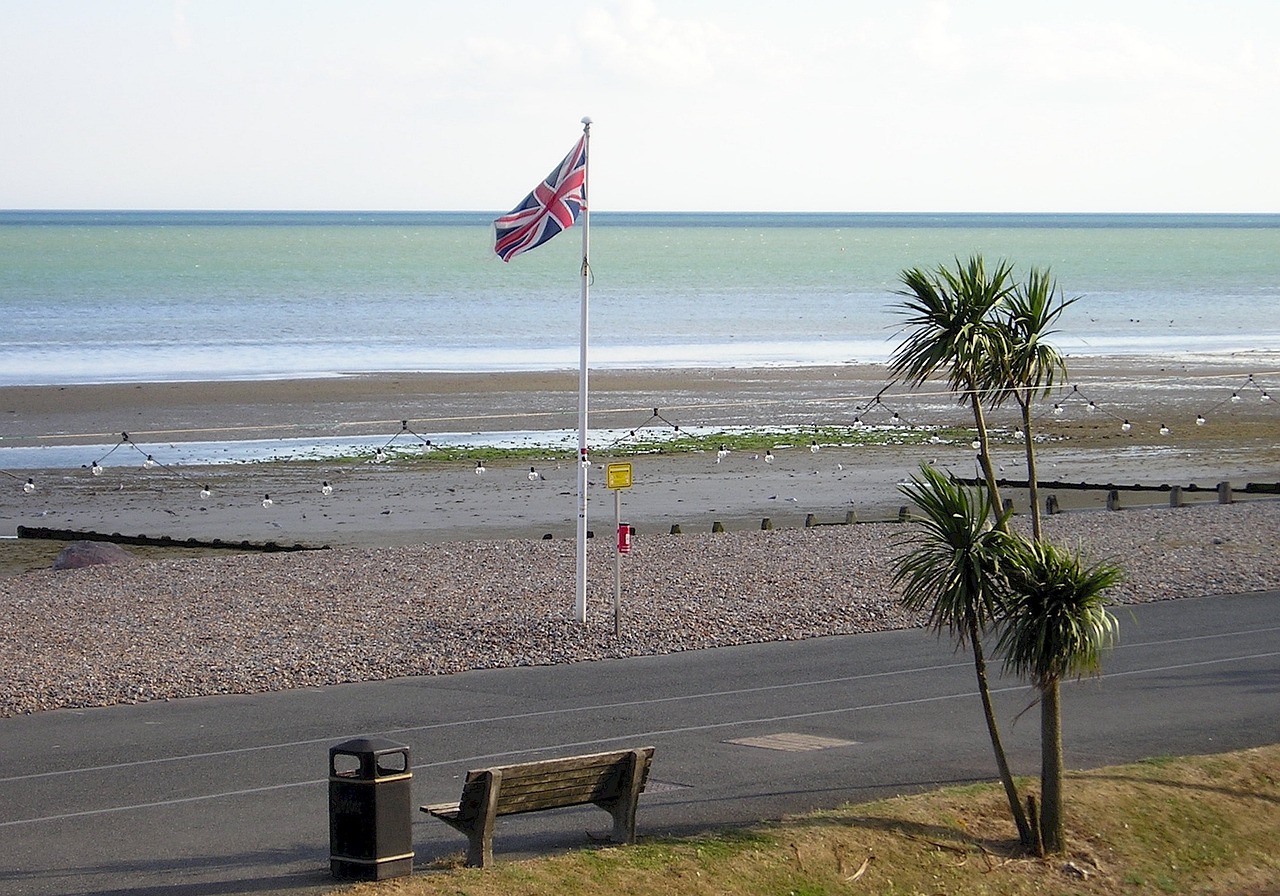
{"x":146,"y":296}
{"x":123,"y":296}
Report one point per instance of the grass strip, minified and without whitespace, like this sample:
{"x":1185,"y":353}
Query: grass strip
{"x":1191,"y":825}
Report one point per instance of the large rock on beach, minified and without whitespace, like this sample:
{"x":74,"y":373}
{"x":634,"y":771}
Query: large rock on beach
{"x":80,"y":554}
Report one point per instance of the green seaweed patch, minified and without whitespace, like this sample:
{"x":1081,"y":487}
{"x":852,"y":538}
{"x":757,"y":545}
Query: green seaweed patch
{"x":680,"y":442}
{"x":669,"y":441}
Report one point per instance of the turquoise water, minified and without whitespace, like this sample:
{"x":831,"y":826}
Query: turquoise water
{"x":135,"y":296}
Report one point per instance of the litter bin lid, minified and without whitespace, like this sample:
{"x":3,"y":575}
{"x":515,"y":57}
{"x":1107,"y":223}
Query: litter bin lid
{"x":364,"y":745}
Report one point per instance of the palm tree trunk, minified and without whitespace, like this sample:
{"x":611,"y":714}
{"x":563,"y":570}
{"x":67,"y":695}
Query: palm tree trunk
{"x":997,"y":745}
{"x":1033,"y":484}
{"x":984,"y":458}
{"x":1051,"y":824}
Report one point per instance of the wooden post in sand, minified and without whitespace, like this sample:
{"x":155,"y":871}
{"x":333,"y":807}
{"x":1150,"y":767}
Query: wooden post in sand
{"x":1175,"y":496}
{"x":1113,"y":499}
{"x":1224,"y":492}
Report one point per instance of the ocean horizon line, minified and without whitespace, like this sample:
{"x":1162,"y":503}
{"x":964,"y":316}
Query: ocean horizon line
{"x":456,"y":217}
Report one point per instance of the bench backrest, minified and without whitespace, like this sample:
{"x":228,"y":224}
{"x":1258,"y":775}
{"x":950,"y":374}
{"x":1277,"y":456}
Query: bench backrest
{"x":554,"y":783}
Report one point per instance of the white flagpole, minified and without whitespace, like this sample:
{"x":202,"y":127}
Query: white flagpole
{"x":580,"y":605}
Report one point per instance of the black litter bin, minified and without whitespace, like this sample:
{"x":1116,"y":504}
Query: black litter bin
{"x":370,"y":836}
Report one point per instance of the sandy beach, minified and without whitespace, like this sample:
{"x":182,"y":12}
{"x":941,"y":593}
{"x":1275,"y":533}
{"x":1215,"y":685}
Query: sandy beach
{"x":411,"y":501}
{"x":460,"y":564}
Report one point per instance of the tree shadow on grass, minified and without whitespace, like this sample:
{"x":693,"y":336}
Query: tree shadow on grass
{"x":1234,"y":792}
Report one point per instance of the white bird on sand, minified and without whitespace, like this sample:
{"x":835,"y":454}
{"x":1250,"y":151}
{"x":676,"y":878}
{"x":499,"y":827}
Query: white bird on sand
{"x":266,"y":501}
{"x":479,"y":468}
{"x":204,"y":491}
{"x":96,"y":469}
{"x":813,"y":447}
{"x":768,"y":457}
{"x":721,"y":453}
{"x":326,"y":489}
{"x":29,"y":486}
{"x":534,"y":475}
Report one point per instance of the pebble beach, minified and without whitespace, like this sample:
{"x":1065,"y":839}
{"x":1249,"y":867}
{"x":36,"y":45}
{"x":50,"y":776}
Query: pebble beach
{"x":473,"y":583}
{"x":243,"y":624}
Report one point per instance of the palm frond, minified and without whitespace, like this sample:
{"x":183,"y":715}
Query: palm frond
{"x":1055,"y":623}
{"x":952,"y":569}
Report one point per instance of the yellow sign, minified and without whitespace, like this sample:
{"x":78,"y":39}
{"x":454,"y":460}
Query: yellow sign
{"x":618,"y":476}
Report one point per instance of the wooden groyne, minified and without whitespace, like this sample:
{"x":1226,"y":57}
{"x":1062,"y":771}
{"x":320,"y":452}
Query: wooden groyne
{"x":160,"y":541}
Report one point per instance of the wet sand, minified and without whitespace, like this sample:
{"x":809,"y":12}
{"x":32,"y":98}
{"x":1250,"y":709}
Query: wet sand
{"x":408,"y":501}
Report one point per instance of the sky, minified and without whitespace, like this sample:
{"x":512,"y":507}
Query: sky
{"x":698,"y":105}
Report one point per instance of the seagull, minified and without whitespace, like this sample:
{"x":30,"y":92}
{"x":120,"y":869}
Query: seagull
{"x":479,"y":468}
{"x":721,"y":453}
{"x":149,"y":462}
{"x":1126,"y":426}
{"x":768,"y":457}
{"x":96,"y":469}
{"x":534,"y":475}
{"x":266,"y":501}
{"x":326,"y":489}
{"x":1200,"y":420}
{"x":813,"y":447}
{"x":1164,"y":430}
{"x":380,"y":457}
{"x":29,"y":486}
{"x":204,"y":491}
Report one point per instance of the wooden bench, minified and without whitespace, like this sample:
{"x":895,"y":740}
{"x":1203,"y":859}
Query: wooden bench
{"x":612,"y":781}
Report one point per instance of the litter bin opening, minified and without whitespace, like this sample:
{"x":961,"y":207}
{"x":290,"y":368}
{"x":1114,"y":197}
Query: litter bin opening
{"x":393,"y":763}
{"x":345,"y":765}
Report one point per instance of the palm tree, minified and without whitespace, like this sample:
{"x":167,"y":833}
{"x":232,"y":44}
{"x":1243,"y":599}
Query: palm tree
{"x":950,"y":316}
{"x":1030,"y":365}
{"x":1055,"y":625}
{"x":953,"y":572}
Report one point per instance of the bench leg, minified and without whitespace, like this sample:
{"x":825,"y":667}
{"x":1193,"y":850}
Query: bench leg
{"x":623,"y":809}
{"x":480,"y":837}
{"x":480,"y":847}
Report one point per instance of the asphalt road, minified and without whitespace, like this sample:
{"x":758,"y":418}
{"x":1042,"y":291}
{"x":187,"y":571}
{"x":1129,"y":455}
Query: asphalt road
{"x":229,"y":795}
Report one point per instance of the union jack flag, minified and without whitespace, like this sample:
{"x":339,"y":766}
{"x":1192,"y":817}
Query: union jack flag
{"x":552,"y":207}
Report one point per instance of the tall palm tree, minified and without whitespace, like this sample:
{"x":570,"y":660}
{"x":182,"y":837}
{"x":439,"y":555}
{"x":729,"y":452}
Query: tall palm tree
{"x":951,"y":330}
{"x":1055,"y":625}
{"x":1030,"y":365}
{"x":953,"y":573}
